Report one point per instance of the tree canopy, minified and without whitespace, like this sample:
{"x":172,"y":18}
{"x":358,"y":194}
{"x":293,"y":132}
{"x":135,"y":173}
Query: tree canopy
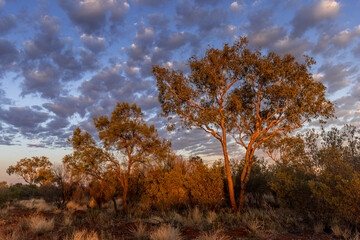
{"x":243,"y":93}
{"x":126,"y":142}
{"x":33,"y":170}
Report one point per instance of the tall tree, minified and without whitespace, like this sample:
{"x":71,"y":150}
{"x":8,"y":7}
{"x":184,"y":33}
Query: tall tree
{"x":276,"y":96}
{"x":33,"y":170}
{"x":238,"y":92}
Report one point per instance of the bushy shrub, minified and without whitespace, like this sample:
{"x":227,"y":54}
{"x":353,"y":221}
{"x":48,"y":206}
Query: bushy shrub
{"x":325,"y":179}
{"x":205,"y":185}
{"x":166,"y":189}
{"x":20,"y":191}
{"x":184,"y":183}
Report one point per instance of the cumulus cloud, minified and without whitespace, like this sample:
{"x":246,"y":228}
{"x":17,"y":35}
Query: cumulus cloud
{"x":152,"y":3}
{"x":171,"y":41}
{"x":47,"y":40}
{"x":2,"y":4}
{"x":310,"y":16}
{"x":237,"y":6}
{"x":8,"y":53}
{"x":95,"y":44}
{"x":206,"y":20}
{"x":356,"y":50}
{"x":329,"y":44}
{"x":23,"y":118}
{"x":68,"y":106}
{"x":158,"y":20}
{"x":7,"y":23}
{"x":43,"y":80}
{"x":259,"y":19}
{"x":266,"y":37}
{"x":297,"y":47}
{"x":207,"y":2}
{"x":336,"y":76}
{"x":91,"y":15}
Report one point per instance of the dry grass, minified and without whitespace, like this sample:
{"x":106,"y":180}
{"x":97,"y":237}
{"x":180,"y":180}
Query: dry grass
{"x":211,"y":217}
{"x":73,"y":206}
{"x":139,"y":231}
{"x":319,"y":227}
{"x":14,"y":235}
{"x":39,"y":225}
{"x":216,"y":235}
{"x":166,"y":232}
{"x":68,"y":220}
{"x":83,"y":235}
{"x":341,"y":232}
{"x":38,"y":204}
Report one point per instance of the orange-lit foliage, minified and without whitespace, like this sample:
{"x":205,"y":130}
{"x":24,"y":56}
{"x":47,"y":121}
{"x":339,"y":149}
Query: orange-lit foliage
{"x":182,"y":183}
{"x":205,"y":185}
{"x":33,"y":170}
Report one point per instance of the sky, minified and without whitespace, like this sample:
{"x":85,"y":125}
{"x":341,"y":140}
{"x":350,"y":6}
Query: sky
{"x":65,"y":62}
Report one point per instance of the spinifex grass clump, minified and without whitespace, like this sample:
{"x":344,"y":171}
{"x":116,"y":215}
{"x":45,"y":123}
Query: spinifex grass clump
{"x":40,"y":225}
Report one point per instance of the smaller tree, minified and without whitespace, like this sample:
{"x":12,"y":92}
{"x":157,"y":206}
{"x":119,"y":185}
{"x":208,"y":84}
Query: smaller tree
{"x":64,"y":182}
{"x":128,"y":142}
{"x":33,"y":170}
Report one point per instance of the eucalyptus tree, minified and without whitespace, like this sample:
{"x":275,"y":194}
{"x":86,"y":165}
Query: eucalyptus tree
{"x":126,"y":142}
{"x":33,"y":170}
{"x":238,"y":92}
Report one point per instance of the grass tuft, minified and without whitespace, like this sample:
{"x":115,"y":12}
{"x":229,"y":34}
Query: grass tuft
{"x":139,"y":231}
{"x":38,"y":204}
{"x":39,"y":225}
{"x":83,"y":235}
{"x":166,"y":232}
{"x":216,"y":235}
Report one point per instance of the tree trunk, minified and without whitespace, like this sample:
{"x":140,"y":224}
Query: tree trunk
{"x":228,"y":176}
{"x":125,"y":196}
{"x":115,"y":206}
{"x":242,"y":195}
{"x":245,"y":177}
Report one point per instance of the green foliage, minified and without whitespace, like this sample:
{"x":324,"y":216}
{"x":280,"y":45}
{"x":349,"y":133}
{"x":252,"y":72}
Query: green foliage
{"x":291,"y":185}
{"x":324,"y":178}
{"x":4,"y":193}
{"x":23,"y":191}
{"x":259,"y":183}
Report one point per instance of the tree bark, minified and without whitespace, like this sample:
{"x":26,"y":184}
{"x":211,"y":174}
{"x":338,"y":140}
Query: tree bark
{"x":125,"y":196}
{"x":228,"y":176}
{"x":245,"y":177}
{"x":115,"y":206}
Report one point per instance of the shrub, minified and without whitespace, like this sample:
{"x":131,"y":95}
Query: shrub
{"x":205,"y":186}
{"x":165,"y":189}
{"x":258,"y":184}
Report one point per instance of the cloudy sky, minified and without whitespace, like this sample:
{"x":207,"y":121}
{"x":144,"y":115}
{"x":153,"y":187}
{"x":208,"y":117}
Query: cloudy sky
{"x":64,"y":62}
